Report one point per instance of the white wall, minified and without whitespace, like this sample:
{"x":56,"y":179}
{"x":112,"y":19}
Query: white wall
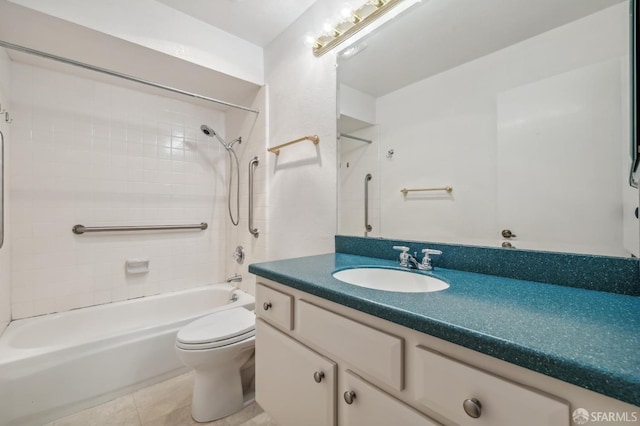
{"x":96,"y":154}
{"x":5,"y":251}
{"x":302,"y":101}
{"x":253,"y":129}
{"x":157,"y":26}
{"x":450,"y":130}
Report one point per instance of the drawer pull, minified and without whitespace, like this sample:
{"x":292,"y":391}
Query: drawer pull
{"x":318,"y":376}
{"x":349,"y":396}
{"x":472,"y":407}
{"x":266,"y":306}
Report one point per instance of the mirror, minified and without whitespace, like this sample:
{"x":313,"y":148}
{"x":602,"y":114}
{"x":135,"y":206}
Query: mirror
{"x":1,"y":189}
{"x":522,"y":108}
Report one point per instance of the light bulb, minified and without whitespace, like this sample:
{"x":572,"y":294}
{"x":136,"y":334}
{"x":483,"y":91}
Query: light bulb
{"x":347,"y":11}
{"x":327,"y":28}
{"x":310,"y":40}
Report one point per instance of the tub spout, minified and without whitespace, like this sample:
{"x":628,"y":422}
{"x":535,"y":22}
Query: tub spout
{"x":235,"y":279}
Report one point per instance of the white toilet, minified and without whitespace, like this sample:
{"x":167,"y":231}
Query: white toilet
{"x":219,"y":347}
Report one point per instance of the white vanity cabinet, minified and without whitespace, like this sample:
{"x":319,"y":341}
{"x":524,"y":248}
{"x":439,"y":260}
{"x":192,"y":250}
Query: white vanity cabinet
{"x":473,"y":397}
{"x":320,"y":363}
{"x":296,"y":385}
{"x":367,"y":405}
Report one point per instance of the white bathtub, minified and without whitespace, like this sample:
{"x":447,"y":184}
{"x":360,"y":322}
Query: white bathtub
{"x":57,"y":364}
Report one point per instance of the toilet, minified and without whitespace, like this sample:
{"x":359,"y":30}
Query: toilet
{"x":219,"y":348}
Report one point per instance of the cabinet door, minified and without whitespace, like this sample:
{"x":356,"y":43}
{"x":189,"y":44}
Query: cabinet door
{"x":295,"y":385}
{"x":362,"y":404}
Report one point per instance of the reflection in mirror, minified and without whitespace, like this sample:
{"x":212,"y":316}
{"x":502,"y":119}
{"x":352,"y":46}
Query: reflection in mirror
{"x":1,"y":189}
{"x":522,"y":108}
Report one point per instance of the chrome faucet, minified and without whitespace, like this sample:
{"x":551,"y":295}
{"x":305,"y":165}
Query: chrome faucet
{"x":236,"y":278}
{"x":409,"y":261}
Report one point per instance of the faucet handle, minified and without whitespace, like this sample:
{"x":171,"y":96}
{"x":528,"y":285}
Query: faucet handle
{"x":404,"y":256}
{"x":426,"y":260}
{"x":428,"y":251}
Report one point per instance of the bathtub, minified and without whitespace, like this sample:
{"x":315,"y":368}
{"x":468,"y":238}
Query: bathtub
{"x":54,"y":365}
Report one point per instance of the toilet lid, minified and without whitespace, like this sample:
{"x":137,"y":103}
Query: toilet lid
{"x":220,"y":326}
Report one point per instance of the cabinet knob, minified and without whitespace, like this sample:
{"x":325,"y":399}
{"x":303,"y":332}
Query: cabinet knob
{"x":349,"y":396}
{"x":266,"y":306}
{"x":472,"y":407}
{"x":318,"y":376}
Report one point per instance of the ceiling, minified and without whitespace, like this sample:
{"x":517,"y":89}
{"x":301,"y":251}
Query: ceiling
{"x":256,"y":21}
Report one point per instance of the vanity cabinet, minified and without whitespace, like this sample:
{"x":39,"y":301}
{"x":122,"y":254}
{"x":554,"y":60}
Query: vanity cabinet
{"x":296,"y":384}
{"x":328,"y":364}
{"x":366,"y":405}
{"x":473,"y":397}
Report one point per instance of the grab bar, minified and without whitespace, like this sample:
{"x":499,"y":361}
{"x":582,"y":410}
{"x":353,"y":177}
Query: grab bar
{"x":252,"y":166}
{"x":81,"y":229}
{"x":367,"y":227}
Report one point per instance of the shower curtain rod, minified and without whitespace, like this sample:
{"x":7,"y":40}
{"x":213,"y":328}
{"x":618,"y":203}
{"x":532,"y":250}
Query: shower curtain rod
{"x":119,"y":75}
{"x":344,"y":135}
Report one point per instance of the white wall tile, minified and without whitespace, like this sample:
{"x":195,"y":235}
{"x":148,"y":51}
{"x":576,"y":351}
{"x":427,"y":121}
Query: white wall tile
{"x":99,"y":155}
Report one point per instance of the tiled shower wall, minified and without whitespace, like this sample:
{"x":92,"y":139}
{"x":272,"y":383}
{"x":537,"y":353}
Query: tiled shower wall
{"x":92,"y":153}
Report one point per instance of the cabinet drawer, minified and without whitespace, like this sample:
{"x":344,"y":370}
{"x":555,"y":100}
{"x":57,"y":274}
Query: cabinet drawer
{"x":443,"y":385}
{"x":370,"y":406}
{"x":368,"y":351}
{"x":274,"y":306}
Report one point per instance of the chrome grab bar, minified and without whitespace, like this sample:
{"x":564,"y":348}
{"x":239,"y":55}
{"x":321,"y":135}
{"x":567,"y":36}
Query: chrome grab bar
{"x":81,"y":229}
{"x":252,"y":166}
{"x":367,"y":227}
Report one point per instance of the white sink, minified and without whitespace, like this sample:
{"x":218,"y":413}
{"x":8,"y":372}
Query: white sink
{"x":390,"y":280}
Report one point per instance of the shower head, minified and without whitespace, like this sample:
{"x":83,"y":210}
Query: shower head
{"x":207,"y":130}
{"x":211,"y":133}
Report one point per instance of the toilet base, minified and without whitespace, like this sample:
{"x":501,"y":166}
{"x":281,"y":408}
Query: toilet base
{"x":212,"y":401}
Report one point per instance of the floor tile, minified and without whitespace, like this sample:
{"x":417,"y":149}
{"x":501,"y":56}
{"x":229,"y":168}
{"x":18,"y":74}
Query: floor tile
{"x":164,"y":404}
{"x":238,"y":418}
{"x":262,"y":419}
{"x":160,"y":400}
{"x":121,"y":412}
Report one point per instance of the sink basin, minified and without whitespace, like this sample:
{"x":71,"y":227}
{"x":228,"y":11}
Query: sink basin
{"x":390,"y":280}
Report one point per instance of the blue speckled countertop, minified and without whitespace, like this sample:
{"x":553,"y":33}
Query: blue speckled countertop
{"x":584,"y":337}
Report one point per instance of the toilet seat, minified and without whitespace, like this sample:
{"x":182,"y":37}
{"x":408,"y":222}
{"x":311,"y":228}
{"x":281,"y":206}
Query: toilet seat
{"x":218,"y":329}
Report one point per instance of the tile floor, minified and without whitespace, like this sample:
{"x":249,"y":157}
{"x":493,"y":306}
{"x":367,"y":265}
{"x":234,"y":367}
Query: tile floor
{"x":166,"y":403}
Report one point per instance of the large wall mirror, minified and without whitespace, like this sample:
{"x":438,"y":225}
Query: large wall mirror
{"x":1,"y":189}
{"x":524,"y":114}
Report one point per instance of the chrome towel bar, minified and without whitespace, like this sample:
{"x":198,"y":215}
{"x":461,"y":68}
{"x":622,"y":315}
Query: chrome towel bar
{"x":81,"y":229}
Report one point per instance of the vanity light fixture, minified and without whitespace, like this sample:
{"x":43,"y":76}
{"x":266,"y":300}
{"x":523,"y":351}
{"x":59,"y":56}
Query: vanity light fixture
{"x":355,"y":21}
